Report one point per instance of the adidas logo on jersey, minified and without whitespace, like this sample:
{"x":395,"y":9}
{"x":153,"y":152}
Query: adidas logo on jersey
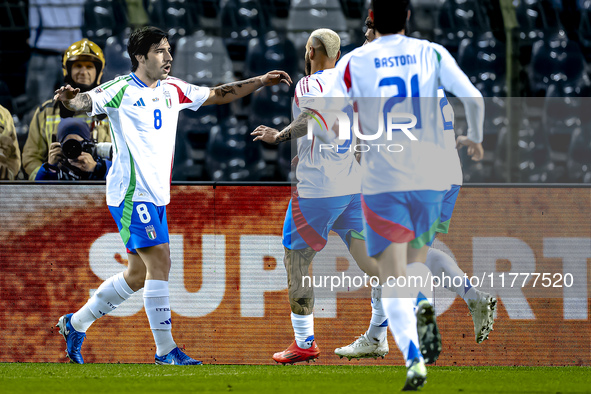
{"x":140,"y":103}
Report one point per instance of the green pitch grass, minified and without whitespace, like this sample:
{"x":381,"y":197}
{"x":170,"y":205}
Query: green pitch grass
{"x":300,"y":379}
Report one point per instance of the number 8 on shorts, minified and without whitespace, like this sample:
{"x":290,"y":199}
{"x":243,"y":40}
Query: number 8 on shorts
{"x":141,"y":224}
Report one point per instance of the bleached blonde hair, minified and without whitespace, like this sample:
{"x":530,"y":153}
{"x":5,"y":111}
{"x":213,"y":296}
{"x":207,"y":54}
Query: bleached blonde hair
{"x":329,"y":39}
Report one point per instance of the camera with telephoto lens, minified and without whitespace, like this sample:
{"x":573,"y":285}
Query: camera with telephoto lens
{"x":72,"y":149}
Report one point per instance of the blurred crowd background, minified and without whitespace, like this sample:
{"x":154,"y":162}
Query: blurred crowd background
{"x":527,"y":57}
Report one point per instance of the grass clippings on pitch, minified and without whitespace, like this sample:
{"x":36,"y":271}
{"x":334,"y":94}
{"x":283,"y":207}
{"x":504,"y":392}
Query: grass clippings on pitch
{"x":146,"y":378}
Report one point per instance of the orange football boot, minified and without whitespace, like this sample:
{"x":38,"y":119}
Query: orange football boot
{"x":294,"y":354}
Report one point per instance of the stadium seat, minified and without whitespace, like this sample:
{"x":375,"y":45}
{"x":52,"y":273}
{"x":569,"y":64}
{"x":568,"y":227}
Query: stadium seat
{"x":423,"y":17}
{"x":495,"y":122}
{"x":117,"y":60}
{"x":241,"y":21}
{"x":207,"y":15}
{"x":535,"y":160}
{"x":287,"y":151}
{"x":270,"y":52}
{"x":459,"y":19}
{"x":191,"y":142}
{"x":232,"y":155}
{"x":483,"y":59}
{"x":103,"y":19}
{"x":533,"y":156}
{"x":579,"y":155}
{"x":208,"y":8}
{"x":354,"y":9}
{"x":305,"y":16}
{"x":178,"y":18}
{"x":202,"y":60}
{"x":558,"y":60}
{"x":276,"y":11}
{"x":309,"y":15}
{"x":271,"y":107}
{"x":584,"y":32}
{"x":538,"y":20}
{"x":563,"y":116}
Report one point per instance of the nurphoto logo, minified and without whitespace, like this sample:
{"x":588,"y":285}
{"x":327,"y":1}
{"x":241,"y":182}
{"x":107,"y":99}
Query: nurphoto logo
{"x":340,"y":123}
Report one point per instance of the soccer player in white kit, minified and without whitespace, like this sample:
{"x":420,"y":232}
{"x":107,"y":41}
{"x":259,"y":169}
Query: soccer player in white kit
{"x":328,"y":189}
{"x":402,"y":193}
{"x":482,"y":305}
{"x":143,"y":110}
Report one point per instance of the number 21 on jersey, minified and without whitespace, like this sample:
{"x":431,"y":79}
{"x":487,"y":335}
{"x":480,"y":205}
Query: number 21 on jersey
{"x":416,"y":103}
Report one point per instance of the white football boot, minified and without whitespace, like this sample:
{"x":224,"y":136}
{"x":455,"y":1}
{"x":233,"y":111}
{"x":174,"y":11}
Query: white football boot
{"x":483,"y":311}
{"x":363,"y":347}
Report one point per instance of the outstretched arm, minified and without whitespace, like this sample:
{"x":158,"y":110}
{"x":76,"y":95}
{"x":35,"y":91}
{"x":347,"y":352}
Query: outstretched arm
{"x":296,"y":129}
{"x":232,"y":91}
{"x":73,"y":99}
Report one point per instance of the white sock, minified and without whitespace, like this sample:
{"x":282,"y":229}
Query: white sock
{"x":403,"y":324}
{"x":157,"y":305}
{"x":470,"y":295}
{"x":446,"y":269}
{"x":303,"y":329}
{"x":110,"y":294}
{"x":378,"y":326}
{"x":420,"y":285}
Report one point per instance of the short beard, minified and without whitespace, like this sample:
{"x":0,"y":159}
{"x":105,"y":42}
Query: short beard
{"x":308,"y":67}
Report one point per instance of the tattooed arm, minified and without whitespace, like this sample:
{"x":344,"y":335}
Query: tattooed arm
{"x":73,"y":99}
{"x":296,"y":129}
{"x":232,"y":91}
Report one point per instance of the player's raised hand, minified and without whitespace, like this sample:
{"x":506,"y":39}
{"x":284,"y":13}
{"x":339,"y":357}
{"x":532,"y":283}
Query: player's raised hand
{"x":265,"y":134}
{"x":274,"y":77}
{"x":475,"y":150}
{"x":65,"y":93}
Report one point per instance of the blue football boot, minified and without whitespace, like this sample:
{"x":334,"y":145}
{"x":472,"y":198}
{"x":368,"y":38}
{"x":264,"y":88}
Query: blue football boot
{"x":73,"y":338}
{"x":176,"y":357}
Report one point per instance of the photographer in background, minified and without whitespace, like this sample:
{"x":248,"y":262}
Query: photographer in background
{"x":10,"y":155}
{"x":83,"y":64}
{"x":75,"y":156}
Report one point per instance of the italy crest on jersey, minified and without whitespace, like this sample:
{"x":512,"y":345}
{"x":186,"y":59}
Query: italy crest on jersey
{"x":151,"y":232}
{"x":168,"y":99}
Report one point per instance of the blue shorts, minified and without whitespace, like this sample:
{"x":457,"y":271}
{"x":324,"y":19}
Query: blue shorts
{"x":309,"y":220}
{"x":447,"y":208}
{"x":400,"y":217}
{"x":141,"y":225}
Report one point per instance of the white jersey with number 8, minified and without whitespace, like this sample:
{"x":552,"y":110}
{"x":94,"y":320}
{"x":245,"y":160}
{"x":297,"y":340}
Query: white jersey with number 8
{"x":143,"y":130}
